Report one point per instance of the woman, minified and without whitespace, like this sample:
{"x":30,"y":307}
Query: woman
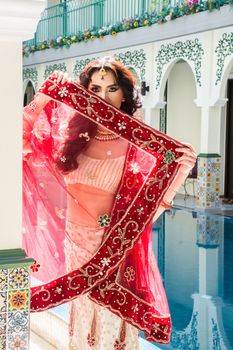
{"x":115,"y":175}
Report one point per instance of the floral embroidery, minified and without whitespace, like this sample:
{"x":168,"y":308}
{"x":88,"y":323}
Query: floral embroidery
{"x":90,"y":340}
{"x":129,"y":274}
{"x":168,"y":157}
{"x":60,"y":212}
{"x":58,"y":290}
{"x":53,"y":119}
{"x":63,"y":159}
{"x":128,"y":198}
{"x":105,"y":261}
{"x":140,"y":211}
{"x":121,"y":126}
{"x":104,"y":220}
{"x":155,"y":327}
{"x":35,"y":266}
{"x":33,"y":106}
{"x":135,"y":168}
{"x":63,"y":92}
{"x":119,"y":346}
{"x":135,"y":308}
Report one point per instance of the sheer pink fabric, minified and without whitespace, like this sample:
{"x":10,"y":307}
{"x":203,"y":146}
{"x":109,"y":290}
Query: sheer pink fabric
{"x":121,"y":273}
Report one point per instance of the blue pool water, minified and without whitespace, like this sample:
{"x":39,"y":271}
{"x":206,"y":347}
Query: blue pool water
{"x":195,"y":256}
{"x":194,"y":251}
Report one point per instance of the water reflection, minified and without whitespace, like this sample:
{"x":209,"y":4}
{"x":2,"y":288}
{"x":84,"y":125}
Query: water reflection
{"x":195,"y":257}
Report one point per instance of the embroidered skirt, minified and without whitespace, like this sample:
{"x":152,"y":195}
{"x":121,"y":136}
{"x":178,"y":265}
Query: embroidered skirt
{"x":91,"y":326}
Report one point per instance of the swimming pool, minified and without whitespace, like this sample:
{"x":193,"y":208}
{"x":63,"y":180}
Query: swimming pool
{"x":194,"y":251}
{"x":195,"y":256}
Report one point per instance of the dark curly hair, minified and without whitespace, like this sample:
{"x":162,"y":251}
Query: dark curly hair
{"x":78,"y":124}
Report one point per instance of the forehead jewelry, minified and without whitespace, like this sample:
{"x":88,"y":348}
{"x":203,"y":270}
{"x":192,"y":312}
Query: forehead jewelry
{"x":85,"y":135}
{"x":102,"y":72}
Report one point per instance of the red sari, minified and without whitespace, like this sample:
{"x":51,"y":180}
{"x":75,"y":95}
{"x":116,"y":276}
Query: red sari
{"x":126,"y":249}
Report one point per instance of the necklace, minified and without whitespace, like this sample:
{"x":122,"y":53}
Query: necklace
{"x":105,"y":136}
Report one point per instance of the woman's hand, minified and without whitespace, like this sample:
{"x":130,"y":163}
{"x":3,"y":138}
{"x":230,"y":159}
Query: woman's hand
{"x":62,"y":77}
{"x":186,"y":162}
{"x":188,"y":159}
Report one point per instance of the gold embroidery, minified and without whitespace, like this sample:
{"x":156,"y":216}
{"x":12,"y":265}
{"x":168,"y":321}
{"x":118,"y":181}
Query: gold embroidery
{"x":129,"y":274}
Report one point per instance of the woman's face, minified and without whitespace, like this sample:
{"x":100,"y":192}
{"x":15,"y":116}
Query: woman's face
{"x":107,"y":88}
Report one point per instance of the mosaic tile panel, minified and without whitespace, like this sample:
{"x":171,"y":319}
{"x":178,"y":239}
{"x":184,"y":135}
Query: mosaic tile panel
{"x":3,"y":279}
{"x":18,"y":278}
{"x":14,"y":308}
{"x":2,"y":343}
{"x":208,"y":181}
{"x":2,"y":324}
{"x":18,"y":300}
{"x":18,"y":321}
{"x":3,"y":301}
{"x":209,"y":230}
{"x":18,"y":341}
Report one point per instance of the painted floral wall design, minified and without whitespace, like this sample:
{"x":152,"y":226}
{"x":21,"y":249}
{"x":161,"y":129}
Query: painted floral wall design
{"x":223,"y":49}
{"x":190,"y":50}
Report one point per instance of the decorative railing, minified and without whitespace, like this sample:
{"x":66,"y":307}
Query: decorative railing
{"x":78,"y":20}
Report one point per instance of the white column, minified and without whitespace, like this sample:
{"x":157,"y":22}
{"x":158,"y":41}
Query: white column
{"x":18,"y":21}
{"x":10,"y":143}
{"x":210,"y":129}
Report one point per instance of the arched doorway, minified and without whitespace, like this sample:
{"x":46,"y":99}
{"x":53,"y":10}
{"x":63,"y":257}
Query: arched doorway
{"x":183,"y":116}
{"x":29,"y":93}
{"x":228,"y":190}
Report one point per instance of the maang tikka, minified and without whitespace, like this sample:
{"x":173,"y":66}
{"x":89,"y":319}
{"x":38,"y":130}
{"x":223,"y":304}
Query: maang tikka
{"x":105,"y":61}
{"x":102,"y":73}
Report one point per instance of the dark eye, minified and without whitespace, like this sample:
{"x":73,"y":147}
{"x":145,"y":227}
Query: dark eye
{"x":94,"y":89}
{"x":113,"y":89}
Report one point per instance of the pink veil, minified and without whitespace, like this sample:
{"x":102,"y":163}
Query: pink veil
{"x":122,"y":275}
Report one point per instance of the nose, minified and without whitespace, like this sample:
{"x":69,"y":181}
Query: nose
{"x":103,"y":94}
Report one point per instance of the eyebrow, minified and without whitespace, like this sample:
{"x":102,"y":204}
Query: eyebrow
{"x":95,"y":85}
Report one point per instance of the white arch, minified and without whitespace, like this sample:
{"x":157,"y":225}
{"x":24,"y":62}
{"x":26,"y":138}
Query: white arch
{"x":25,"y":84}
{"x":218,"y":98}
{"x":225,"y":75}
{"x":159,"y":102}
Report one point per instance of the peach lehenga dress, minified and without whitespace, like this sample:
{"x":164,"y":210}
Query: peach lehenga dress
{"x":91,"y":325}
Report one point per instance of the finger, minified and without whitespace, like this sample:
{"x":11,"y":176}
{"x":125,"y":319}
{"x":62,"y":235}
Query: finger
{"x":64,"y":78}
{"x":186,"y":151}
{"x":185,"y":157}
{"x":186,"y":163}
{"x":59,"y":77}
{"x":189,"y":146}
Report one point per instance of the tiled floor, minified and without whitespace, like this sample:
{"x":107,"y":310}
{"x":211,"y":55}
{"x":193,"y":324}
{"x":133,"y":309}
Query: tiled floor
{"x":36,"y":343}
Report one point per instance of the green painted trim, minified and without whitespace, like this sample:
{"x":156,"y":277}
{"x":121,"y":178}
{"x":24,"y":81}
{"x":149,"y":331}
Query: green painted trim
{"x":10,"y":258}
{"x":12,"y":252}
{"x":209,"y":155}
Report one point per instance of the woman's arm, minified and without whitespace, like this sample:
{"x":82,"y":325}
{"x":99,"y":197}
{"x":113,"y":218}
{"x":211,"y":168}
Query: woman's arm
{"x":30,"y":114}
{"x":186,"y":163}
